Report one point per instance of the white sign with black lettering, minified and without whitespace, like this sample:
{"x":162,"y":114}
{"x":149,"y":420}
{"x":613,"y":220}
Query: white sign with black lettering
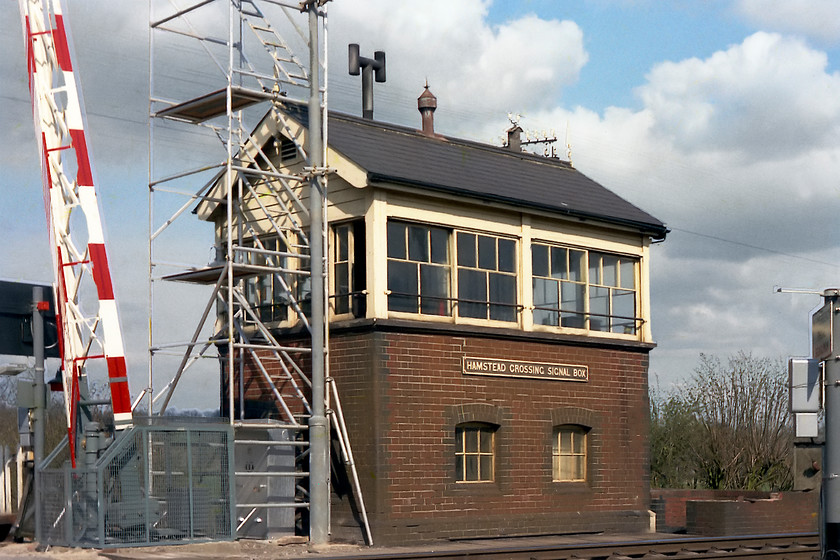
{"x":526,"y":369}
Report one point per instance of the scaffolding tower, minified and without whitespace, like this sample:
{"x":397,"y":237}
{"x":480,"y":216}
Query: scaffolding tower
{"x":221,"y":73}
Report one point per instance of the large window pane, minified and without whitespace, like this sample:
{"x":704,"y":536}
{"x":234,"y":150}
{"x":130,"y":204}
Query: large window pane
{"x":545,"y":295}
{"x":418,"y":244}
{"x":610,"y":270}
{"x":342,"y":286}
{"x":558,"y":263}
{"x":486,"y":252}
{"x":599,"y":308}
{"x":396,"y":240}
{"x":539,"y":260}
{"x":573,"y":304}
{"x":342,"y":242}
{"x":576,"y":265}
{"x":594,"y":268}
{"x":402,"y":281}
{"x":472,"y":292}
{"x":439,"y":239}
{"x":507,"y":255}
{"x":502,"y":290}
{"x":434,"y":289}
{"x":466,"y":250}
{"x":628,"y":274}
{"x":624,"y":307}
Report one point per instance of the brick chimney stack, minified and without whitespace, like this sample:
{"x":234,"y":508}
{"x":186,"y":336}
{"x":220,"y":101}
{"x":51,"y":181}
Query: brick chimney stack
{"x":426,"y":104}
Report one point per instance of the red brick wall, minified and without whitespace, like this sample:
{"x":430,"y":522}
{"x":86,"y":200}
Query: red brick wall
{"x":403,"y":393}
{"x":720,"y":513}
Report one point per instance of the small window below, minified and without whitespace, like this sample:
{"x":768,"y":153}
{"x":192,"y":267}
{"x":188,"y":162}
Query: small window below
{"x":569,"y":453}
{"x":474,"y":452}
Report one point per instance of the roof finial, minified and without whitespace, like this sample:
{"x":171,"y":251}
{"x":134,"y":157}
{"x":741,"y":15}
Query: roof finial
{"x":426,"y":104}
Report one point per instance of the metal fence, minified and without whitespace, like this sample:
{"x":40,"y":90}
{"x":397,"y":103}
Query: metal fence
{"x":161,"y":483}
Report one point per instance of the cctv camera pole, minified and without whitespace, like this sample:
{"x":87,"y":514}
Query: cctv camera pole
{"x":38,"y":415}
{"x":831,"y":460}
{"x":319,"y":468}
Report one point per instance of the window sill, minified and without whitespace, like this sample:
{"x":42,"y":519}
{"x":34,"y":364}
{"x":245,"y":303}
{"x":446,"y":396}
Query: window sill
{"x":418,"y":325}
{"x":559,"y":487}
{"x":490,"y":488}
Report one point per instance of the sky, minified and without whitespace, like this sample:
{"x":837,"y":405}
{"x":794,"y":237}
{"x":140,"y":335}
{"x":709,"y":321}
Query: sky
{"x":719,"y":117}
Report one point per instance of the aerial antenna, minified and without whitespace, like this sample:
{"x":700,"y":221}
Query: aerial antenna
{"x":568,"y":145}
{"x":781,"y":290}
{"x":514,"y":141}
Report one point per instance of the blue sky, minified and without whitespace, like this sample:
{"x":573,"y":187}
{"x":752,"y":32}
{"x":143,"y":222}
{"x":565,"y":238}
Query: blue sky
{"x":719,"y":117}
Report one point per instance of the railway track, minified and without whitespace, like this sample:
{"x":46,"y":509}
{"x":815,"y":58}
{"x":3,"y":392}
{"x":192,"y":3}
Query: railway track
{"x":800,"y":546}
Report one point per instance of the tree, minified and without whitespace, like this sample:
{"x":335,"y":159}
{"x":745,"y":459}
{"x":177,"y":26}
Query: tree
{"x":674,"y":437}
{"x":729,"y":425}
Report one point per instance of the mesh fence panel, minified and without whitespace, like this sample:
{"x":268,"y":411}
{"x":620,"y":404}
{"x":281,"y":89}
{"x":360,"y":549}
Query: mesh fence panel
{"x":52,"y":506}
{"x":157,"y":483}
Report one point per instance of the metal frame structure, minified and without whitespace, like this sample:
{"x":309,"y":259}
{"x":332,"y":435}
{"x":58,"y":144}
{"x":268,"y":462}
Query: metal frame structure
{"x":253,"y":61}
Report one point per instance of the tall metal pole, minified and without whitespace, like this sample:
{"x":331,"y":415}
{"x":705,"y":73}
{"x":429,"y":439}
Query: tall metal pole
{"x":40,"y":402}
{"x":319,"y":468}
{"x":831,"y":459}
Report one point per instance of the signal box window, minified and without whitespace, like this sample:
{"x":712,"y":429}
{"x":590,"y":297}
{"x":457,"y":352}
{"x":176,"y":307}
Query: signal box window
{"x":474,"y":452}
{"x":486,"y":277}
{"x":266,"y":291}
{"x":584,"y":289}
{"x":349,"y":269}
{"x":418,"y":269}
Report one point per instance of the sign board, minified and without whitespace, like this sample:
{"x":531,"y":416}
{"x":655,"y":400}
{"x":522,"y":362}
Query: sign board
{"x":822,"y":332}
{"x":804,"y":385}
{"x":527,"y":369}
{"x":16,"y":320}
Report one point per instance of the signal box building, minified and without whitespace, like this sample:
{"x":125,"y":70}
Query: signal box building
{"x":489,"y":333}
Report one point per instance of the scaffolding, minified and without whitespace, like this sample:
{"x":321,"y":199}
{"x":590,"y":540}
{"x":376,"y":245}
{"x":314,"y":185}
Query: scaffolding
{"x":223,"y":77}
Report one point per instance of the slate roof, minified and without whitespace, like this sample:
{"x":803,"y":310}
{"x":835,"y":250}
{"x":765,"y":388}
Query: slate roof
{"x":402,"y":155}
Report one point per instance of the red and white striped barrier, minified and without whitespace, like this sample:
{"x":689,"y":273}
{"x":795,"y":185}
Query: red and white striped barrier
{"x":80,"y":259}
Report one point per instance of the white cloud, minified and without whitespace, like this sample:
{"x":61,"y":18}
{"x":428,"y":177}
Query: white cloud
{"x":819,"y":19}
{"x":766,"y":97}
{"x":469,"y":63}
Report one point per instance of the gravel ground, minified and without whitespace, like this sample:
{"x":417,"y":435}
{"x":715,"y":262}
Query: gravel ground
{"x":238,"y":550}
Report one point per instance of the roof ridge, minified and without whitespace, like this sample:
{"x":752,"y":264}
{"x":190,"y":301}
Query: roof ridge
{"x":501,"y":150}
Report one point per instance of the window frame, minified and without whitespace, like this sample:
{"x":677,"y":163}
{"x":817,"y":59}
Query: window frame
{"x":496,"y":272}
{"x":583,"y":317}
{"x":406,"y":257}
{"x":255,"y":287}
{"x":477,"y":454}
{"x":451,"y":312}
{"x":579,"y":458}
{"x":353,"y":302}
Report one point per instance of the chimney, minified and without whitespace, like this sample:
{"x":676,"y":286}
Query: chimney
{"x":514,"y":140}
{"x":426,"y":104}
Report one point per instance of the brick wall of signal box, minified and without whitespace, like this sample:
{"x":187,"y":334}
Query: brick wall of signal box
{"x":402,"y":395}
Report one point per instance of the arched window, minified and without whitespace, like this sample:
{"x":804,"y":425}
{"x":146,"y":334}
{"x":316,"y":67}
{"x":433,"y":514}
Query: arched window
{"x":475,"y":450}
{"x":569,"y":453}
